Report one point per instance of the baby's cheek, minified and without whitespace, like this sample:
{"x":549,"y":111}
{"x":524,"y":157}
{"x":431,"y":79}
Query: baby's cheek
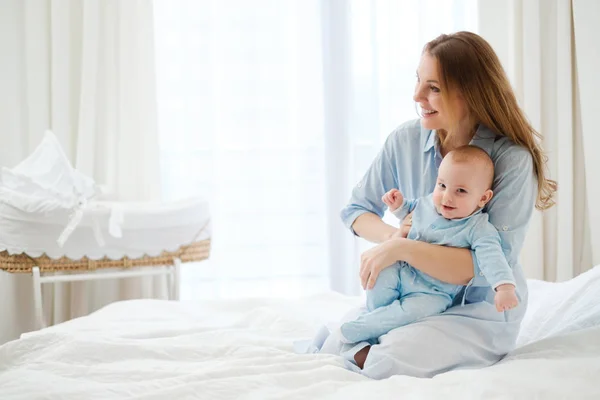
{"x":437,"y":198}
{"x":469,"y":206}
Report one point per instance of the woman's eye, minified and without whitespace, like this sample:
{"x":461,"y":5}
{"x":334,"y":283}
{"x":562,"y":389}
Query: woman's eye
{"x":434,"y":89}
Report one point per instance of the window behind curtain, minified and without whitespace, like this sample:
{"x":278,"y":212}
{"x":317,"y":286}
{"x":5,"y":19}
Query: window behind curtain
{"x":240,"y":99}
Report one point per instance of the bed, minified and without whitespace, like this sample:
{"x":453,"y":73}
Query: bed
{"x":232,"y":349}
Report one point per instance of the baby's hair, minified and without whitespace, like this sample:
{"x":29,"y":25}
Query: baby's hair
{"x":475,"y":154}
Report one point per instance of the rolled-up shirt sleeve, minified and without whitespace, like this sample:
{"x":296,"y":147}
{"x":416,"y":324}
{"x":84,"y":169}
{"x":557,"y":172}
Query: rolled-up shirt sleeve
{"x":379,"y":178}
{"x":511,"y":207}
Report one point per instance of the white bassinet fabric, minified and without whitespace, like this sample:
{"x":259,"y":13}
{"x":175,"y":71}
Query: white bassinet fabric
{"x":45,"y":181}
{"x":145,"y":229}
{"x":48,"y":207}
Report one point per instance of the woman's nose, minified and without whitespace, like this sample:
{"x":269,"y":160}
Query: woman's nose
{"x":418,"y":95}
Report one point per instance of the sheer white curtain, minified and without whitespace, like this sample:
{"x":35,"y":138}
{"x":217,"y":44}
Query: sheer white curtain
{"x":240,"y":114}
{"x":273,"y":109}
{"x":586,"y":14}
{"x":84,"y":69}
{"x":536,"y":43}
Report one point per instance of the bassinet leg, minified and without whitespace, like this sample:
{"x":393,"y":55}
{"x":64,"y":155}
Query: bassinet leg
{"x":176,"y":281}
{"x":37,"y":298}
{"x":170,"y":281}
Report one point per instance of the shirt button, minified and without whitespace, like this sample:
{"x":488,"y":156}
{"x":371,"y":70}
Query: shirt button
{"x":359,"y":185}
{"x":480,"y":273}
{"x":505,"y":228}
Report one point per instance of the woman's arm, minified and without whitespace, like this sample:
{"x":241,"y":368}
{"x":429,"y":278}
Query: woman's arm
{"x":372,"y":228}
{"x":448,"y":264}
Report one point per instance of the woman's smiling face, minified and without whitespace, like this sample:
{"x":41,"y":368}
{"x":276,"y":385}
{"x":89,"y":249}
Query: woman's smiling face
{"x":428,"y":94}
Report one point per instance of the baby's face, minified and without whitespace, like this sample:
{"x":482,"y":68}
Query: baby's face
{"x":460,"y":190}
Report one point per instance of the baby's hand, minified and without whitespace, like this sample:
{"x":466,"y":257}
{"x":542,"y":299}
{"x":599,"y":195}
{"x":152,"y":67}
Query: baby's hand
{"x":506,"y":297}
{"x":393,"y":199}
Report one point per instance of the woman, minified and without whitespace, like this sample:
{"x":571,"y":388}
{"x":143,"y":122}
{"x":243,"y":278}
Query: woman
{"x":465,"y":98}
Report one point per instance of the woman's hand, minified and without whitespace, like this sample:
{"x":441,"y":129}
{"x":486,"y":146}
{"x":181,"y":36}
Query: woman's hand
{"x":405,"y":226}
{"x":377,"y":258}
{"x":402,"y":231}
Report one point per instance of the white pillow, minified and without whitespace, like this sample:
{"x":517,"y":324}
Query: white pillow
{"x":560,"y":308}
{"x":45,"y":180}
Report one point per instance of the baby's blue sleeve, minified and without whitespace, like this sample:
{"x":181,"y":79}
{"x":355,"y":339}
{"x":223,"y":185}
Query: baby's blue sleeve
{"x":486,"y":243}
{"x":509,"y":211}
{"x":407,"y":207}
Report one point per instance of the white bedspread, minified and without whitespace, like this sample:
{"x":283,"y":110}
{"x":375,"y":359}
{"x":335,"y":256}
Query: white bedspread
{"x":148,"y":349}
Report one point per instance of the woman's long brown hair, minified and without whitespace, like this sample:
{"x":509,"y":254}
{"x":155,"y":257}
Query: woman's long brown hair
{"x":469,"y":65}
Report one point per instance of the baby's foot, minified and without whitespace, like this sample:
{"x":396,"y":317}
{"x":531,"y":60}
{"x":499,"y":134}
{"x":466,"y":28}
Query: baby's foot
{"x":314,"y":345}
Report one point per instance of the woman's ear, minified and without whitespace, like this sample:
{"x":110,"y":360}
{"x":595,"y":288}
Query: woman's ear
{"x":486,"y":197}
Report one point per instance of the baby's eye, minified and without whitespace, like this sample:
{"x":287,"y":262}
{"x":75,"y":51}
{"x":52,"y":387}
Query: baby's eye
{"x":442,"y":185}
{"x":461,"y":191}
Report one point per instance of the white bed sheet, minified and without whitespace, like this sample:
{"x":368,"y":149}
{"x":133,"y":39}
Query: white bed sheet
{"x":146,"y":349}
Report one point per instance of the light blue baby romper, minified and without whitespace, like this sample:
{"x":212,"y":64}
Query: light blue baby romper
{"x":403,"y":294}
{"x":472,"y":336}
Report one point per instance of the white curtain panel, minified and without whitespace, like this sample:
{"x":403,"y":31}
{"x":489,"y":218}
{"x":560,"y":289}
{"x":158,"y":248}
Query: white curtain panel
{"x":535,"y":42}
{"x":84,"y":69}
{"x":586,"y":15}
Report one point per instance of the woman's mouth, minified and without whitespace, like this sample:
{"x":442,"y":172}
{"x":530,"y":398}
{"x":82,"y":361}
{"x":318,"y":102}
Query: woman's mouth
{"x":428,"y":113}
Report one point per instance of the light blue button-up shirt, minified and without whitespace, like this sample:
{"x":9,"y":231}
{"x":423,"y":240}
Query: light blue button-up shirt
{"x":474,"y":232}
{"x":409,"y":161}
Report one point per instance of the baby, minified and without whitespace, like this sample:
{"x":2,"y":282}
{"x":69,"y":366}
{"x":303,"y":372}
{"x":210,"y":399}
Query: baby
{"x":451,"y":216}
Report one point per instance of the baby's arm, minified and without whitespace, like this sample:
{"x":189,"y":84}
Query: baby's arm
{"x":393,"y":199}
{"x":397,"y":204}
{"x":493,"y":265}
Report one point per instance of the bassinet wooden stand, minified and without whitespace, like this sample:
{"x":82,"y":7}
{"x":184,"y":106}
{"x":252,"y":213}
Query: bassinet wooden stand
{"x":47,"y":270}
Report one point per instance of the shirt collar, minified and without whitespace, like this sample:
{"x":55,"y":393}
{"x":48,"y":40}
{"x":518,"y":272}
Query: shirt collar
{"x":484,"y":138}
{"x":430,"y":140}
{"x":478,"y":211}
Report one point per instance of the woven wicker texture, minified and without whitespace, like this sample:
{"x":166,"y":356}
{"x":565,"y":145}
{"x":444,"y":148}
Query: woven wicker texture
{"x":22,"y":263}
